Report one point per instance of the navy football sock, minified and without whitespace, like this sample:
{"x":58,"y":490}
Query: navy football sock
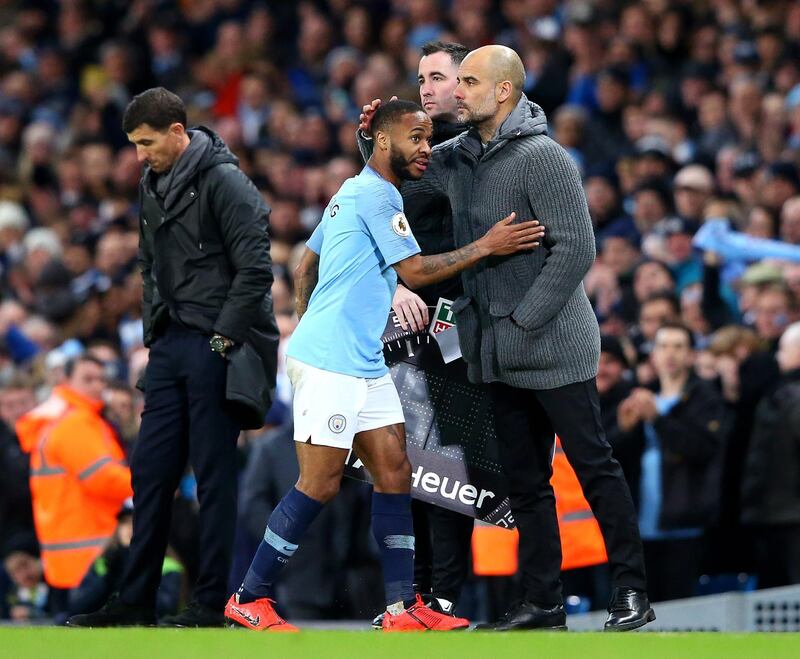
{"x":394,"y":533}
{"x":290,"y":519}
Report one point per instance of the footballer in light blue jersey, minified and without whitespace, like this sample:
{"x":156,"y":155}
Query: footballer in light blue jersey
{"x":344,"y":397}
{"x":363,"y":232}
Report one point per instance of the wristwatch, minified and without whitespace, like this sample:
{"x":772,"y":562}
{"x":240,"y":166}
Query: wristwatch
{"x":220,"y":344}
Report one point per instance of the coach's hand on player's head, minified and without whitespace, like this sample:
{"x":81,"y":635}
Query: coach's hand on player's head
{"x":505,"y":237}
{"x":367,"y":112}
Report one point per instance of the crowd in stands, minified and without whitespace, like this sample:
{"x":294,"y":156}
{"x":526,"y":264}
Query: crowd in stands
{"x":683,"y":119}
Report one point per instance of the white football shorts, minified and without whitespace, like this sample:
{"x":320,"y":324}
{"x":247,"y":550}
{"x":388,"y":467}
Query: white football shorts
{"x":330,"y":408}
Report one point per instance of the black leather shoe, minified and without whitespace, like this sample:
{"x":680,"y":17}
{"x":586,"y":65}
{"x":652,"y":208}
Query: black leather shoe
{"x":628,"y":609}
{"x":115,"y":613}
{"x":527,"y":615}
{"x":194,"y":615}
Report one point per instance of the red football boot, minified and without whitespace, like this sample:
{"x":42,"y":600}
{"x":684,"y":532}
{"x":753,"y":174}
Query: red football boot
{"x":420,"y":618}
{"x":259,"y":616}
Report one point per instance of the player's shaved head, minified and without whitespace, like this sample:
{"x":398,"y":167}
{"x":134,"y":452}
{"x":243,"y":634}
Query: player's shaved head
{"x":499,"y":63}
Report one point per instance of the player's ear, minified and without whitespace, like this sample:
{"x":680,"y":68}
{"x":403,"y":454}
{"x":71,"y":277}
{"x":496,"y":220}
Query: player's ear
{"x":382,"y":139}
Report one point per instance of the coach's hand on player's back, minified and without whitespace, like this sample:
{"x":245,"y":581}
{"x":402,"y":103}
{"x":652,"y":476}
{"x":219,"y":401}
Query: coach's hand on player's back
{"x":505,"y":237}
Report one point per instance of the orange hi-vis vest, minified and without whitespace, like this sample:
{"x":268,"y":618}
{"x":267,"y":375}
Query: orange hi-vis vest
{"x":581,"y":540}
{"x":78,"y":482}
{"x":494,"y":549}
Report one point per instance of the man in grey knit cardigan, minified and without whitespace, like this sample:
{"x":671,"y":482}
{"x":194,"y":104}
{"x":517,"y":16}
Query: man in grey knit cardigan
{"x":527,"y":329}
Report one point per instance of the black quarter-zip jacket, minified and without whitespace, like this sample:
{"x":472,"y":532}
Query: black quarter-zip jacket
{"x":203,"y":245}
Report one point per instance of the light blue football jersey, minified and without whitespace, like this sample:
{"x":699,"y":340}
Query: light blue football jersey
{"x":363,"y":232}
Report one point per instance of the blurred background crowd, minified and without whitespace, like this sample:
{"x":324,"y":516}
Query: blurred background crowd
{"x":678,"y":114}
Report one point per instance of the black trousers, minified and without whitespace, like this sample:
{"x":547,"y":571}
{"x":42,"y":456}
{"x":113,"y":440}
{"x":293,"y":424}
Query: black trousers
{"x":441,"y":559}
{"x":183,"y":418}
{"x":527,"y":421}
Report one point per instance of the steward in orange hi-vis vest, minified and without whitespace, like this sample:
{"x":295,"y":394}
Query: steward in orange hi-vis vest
{"x":78,"y":482}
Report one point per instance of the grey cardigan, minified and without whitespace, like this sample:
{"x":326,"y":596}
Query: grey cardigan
{"x":524,"y":319}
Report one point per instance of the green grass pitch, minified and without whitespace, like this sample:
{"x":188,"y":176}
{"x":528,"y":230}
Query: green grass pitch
{"x":60,"y":643}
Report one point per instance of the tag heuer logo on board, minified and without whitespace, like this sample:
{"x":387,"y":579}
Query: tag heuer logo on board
{"x":443,"y":317}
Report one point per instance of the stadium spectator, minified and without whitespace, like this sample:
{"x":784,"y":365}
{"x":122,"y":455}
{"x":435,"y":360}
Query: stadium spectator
{"x":614,"y":383}
{"x":78,"y":480}
{"x":790,"y":221}
{"x":673,"y":438}
{"x":693,"y":185}
{"x":770,"y":500}
{"x":28,"y":599}
{"x":745,"y":372}
{"x":654,"y":311}
{"x":16,"y":398}
{"x":773,"y":311}
{"x":121,"y":410}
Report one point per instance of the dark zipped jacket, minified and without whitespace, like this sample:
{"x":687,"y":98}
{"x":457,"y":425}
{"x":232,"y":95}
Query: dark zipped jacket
{"x":692,"y":436}
{"x":771,"y":480}
{"x":204,"y":248}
